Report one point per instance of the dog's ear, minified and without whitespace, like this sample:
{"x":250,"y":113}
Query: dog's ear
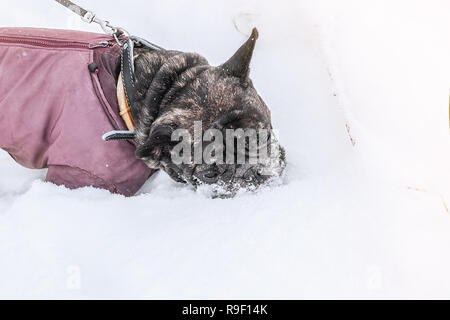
{"x":239,"y":64}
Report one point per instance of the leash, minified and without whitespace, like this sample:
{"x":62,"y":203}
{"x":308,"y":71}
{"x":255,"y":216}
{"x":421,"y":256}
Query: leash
{"x":127,"y":42}
{"x":88,"y":16}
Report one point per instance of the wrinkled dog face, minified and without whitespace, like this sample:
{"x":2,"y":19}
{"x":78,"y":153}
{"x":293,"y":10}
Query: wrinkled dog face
{"x":181,"y":91}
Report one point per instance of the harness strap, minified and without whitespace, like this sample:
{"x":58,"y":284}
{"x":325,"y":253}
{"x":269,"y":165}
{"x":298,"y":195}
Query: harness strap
{"x":127,"y":82}
{"x":127,"y":70}
{"x":127,"y":64}
{"x":124,"y":108}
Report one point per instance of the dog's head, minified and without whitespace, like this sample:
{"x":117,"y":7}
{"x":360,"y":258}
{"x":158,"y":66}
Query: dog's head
{"x":183,"y":101}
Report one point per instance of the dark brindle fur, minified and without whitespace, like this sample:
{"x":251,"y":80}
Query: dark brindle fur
{"x":174,"y":89}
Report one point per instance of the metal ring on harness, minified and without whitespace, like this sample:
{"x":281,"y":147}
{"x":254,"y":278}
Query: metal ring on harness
{"x":120,"y":32}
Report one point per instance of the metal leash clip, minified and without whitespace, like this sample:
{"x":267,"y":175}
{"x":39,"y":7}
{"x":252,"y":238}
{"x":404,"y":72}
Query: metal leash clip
{"x":116,"y":32}
{"x":90,"y":17}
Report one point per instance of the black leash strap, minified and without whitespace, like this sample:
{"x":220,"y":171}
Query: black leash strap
{"x":89,"y":16}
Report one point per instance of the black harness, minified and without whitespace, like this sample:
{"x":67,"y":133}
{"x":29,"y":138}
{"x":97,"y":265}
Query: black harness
{"x":128,"y":79}
{"x":127,"y":63}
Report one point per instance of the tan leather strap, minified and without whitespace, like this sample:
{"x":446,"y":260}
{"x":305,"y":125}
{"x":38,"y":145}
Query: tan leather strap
{"x":124,"y":108}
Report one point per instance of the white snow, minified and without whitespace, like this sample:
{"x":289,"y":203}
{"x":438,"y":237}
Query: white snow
{"x":358,"y":92}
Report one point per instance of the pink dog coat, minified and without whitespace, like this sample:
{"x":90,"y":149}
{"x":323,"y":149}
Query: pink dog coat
{"x":57,"y":99}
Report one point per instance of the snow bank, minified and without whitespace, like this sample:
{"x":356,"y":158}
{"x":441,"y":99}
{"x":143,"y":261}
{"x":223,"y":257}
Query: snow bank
{"x":358,"y":91}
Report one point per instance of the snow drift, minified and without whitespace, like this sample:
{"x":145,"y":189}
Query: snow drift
{"x":358,"y":92}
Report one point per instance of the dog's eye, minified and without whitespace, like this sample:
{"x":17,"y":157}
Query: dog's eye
{"x":160,"y":135}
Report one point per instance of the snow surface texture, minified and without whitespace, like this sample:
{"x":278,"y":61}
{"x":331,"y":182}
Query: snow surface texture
{"x":358,"y":91}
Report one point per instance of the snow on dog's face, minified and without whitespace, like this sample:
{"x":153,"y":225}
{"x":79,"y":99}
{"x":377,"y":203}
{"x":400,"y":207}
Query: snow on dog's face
{"x":178,"y":92}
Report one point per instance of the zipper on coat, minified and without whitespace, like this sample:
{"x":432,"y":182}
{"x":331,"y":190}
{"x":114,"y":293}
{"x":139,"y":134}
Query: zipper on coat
{"x":102,"y":44}
{"x":55,"y":43}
